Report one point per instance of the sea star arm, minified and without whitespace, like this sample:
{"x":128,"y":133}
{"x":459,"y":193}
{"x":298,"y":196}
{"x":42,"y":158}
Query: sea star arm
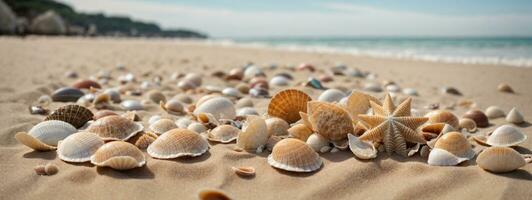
{"x":375,"y":134}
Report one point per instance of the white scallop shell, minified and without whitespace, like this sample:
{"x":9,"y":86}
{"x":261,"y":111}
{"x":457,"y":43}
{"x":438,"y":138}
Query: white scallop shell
{"x":316,"y":142}
{"x":514,"y":116}
{"x":506,"y":135}
{"x":79,"y":147}
{"x":361,"y":149}
{"x":223,"y":134}
{"x":45,"y":135}
{"x":220,"y":107}
{"x":493,"y":112}
{"x":132,"y":105}
{"x":440,"y":157}
{"x":279,"y":81}
{"x":177,"y":143}
{"x":331,"y":95}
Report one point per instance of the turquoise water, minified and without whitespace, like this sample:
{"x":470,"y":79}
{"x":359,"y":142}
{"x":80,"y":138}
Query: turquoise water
{"x":500,"y":50}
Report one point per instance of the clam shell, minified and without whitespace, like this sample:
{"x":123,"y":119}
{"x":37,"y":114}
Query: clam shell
{"x":468,"y":124}
{"x":220,"y":107}
{"x":177,"y":143}
{"x":503,"y":87}
{"x":86,"y":84}
{"x":506,"y":135}
{"x":287,"y":104}
{"x":118,"y":155}
{"x":361,"y":149}
{"x":443,"y":116}
{"x":478,"y":116}
{"x":132,"y":105}
{"x":455,"y":143}
{"x":103,"y":113}
{"x":329,"y":120}
{"x":231,"y":92}
{"x":279,"y":81}
{"x":300,"y":131}
{"x":294,"y":155}
{"x":277,"y":126}
{"x":316,"y":142}
{"x":115,"y":128}
{"x":173,"y":107}
{"x":223,"y":134}
{"x":246,"y":111}
{"x":72,"y":114}
{"x":500,"y":159}
{"x":358,"y":103}
{"x":331,"y":95}
{"x":494,"y":112}
{"x":244,"y":171}
{"x":67,"y":94}
{"x":254,"y":134}
{"x":143,"y":140}
{"x":45,"y":135}
{"x":440,"y":157}
{"x":162,"y":125}
{"x":514,"y":116}
{"x":79,"y":147}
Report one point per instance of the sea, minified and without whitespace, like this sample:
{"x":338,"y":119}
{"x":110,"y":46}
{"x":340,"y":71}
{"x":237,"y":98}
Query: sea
{"x":509,"y":51}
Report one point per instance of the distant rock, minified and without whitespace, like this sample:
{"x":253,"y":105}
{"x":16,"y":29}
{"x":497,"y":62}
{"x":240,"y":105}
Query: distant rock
{"x":48,"y":23}
{"x":8,"y":20}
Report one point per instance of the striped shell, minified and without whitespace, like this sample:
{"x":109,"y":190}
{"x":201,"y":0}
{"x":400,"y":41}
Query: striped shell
{"x":177,"y":143}
{"x":506,"y":135}
{"x":45,"y":135}
{"x":118,"y":155}
{"x":329,"y":120}
{"x":115,"y":127}
{"x":73,"y":114}
{"x":500,"y":159}
{"x":224,"y":134}
{"x":143,"y":139}
{"x":443,"y":116}
{"x":162,"y":125}
{"x":294,"y":155}
{"x":220,"y":107}
{"x":79,"y":147}
{"x":254,"y":134}
{"x":287,"y":104}
{"x":455,"y":143}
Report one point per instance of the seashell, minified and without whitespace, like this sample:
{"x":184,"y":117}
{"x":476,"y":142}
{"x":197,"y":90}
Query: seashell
{"x":362,"y":149}
{"x":44,"y":100}
{"x":451,"y":90}
{"x":246,"y":111}
{"x":244,"y":102}
{"x":294,"y":155}
{"x":186,"y":85}
{"x":279,"y":81}
{"x":259,"y":82}
{"x":244,"y":171}
{"x":218,"y":74}
{"x":210,"y":194}
{"x":500,"y":159}
{"x":101,"y":100}
{"x":231,"y":92}
{"x":235,"y":74}
{"x":71,"y":74}
{"x":177,"y":143}
{"x":118,"y":155}
{"x":314,"y":83}
{"x":305,"y":120}
{"x":132,"y":105}
{"x":205,"y":98}
{"x":39,"y":170}
{"x":503,"y":87}
{"x":45,"y":135}
{"x":114,"y":94}
{"x":79,"y":147}
{"x":243,"y":88}
{"x":143,"y":139}
{"x":86,"y":84}
{"x":440,"y":157}
{"x":331,"y":95}
{"x":173,"y":107}
{"x":468,"y":124}
{"x":72,"y":114}
{"x":478,"y":116}
{"x":131,"y":115}
{"x":506,"y":135}
{"x":443,"y":116}
{"x":272,"y":141}
{"x":103,"y":113}
{"x":194,"y":78}
{"x":300,"y":131}
{"x":254,"y":134}
{"x":207,"y":118}
{"x":277,"y":126}
{"x":373,"y":87}
{"x":306,"y":66}
{"x":156,"y":96}
{"x":424,"y":151}
{"x":360,"y":129}
{"x":197,"y":127}
{"x":67,"y":94}
{"x":316,"y":142}
{"x":494,"y":112}
{"x":329,"y":120}
{"x":223,"y":134}
{"x":410,"y":91}
{"x":514,"y":116}
{"x":437,"y":130}
{"x":183,"y":98}
{"x":50,"y":169}
{"x":183,"y":122}
{"x":286,"y":75}
{"x":393,"y":88}
{"x":162,"y":125}
{"x":358,"y":103}
{"x":252,"y":72}
{"x":450,"y":149}
{"x":326,"y":78}
{"x":220,"y":107}
{"x":127,"y":78}
{"x":38,"y":110}
{"x":115,"y":128}
{"x":340,"y":144}
{"x":287,"y":104}
{"x":259,"y":92}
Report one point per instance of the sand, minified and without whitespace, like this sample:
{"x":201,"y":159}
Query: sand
{"x":35,"y":66}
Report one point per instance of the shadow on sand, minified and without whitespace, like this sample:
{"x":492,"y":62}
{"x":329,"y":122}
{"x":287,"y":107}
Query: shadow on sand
{"x":46,"y":155}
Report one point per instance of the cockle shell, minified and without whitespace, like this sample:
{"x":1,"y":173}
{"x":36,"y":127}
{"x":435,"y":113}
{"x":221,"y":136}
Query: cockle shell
{"x":514,"y":116}
{"x":86,"y":84}
{"x":277,"y":126}
{"x":300,"y":131}
{"x":118,"y":155}
{"x":67,"y":94}
{"x":451,"y":149}
{"x":79,"y":147}
{"x":468,"y":124}
{"x":316,"y":142}
{"x":220,"y":107}
{"x":156,"y":96}
{"x":501,"y":159}
{"x":294,"y":155}
{"x":45,"y":135}
{"x":494,"y":112}
{"x":503,"y":87}
{"x":177,"y":143}
{"x":72,"y":114}
{"x":223,"y":134}
{"x":443,"y":116}
{"x":478,"y":116}
{"x":331,"y":95}
{"x":132,"y":105}
{"x":254,"y":134}
{"x":362,"y":149}
{"x":162,"y":125}
{"x":506,"y":135}
{"x":329,"y":120}
{"x":287,"y":104}
{"x":115,"y":128}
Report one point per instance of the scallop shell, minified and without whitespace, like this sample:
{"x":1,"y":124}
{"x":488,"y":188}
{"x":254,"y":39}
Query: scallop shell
{"x":329,"y":120}
{"x":287,"y":104}
{"x":362,"y":149}
{"x":210,"y":194}
{"x":294,"y":155}
{"x":277,"y":126}
{"x":358,"y":103}
{"x":118,"y":155}
{"x":173,"y":107}
{"x":143,"y":140}
{"x":86,"y":84}
{"x":500,"y":159}
{"x":468,"y":124}
{"x":79,"y":147}
{"x":72,"y":114}
{"x":300,"y":131}
{"x":103,"y":113}
{"x":220,"y":107}
{"x":244,"y":171}
{"x":316,"y":142}
{"x":156,"y":96}
{"x":494,"y":112}
{"x":45,"y":135}
{"x":162,"y":125}
{"x":478,"y":116}
{"x":246,"y":111}
{"x":503,"y":87}
{"x":331,"y":95}
{"x":443,"y":116}
{"x":132,"y":105}
{"x":115,"y":128}
{"x":67,"y":94}
{"x":254,"y":134}
{"x":177,"y":143}
{"x":506,"y":135}
{"x":455,"y":143}
{"x":224,"y":134}
{"x":514,"y":116}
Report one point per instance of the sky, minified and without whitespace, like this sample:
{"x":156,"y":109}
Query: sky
{"x":293,"y":18}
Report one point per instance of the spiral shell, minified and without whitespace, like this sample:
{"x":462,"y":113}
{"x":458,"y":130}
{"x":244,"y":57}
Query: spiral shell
{"x":224,"y":134}
{"x":443,"y":116}
{"x":329,"y":120}
{"x":287,"y":104}
{"x":45,"y":135}
{"x":294,"y":155}
{"x":177,"y":143}
{"x":72,"y":114}
{"x":500,"y":159}
{"x":115,"y":127}
{"x":118,"y":155}
{"x":79,"y":147}
{"x":254,"y":134}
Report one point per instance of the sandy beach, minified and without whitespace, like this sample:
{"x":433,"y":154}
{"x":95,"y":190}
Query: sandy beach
{"x":35,"y":66}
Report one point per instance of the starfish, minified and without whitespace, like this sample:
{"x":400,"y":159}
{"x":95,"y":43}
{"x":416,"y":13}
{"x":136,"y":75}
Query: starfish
{"x":392,"y":125}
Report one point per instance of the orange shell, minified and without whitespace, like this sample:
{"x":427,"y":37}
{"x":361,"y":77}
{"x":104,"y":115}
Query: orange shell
{"x":287,"y":104}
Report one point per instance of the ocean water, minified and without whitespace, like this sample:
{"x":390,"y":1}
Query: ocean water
{"x":511,"y":51}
